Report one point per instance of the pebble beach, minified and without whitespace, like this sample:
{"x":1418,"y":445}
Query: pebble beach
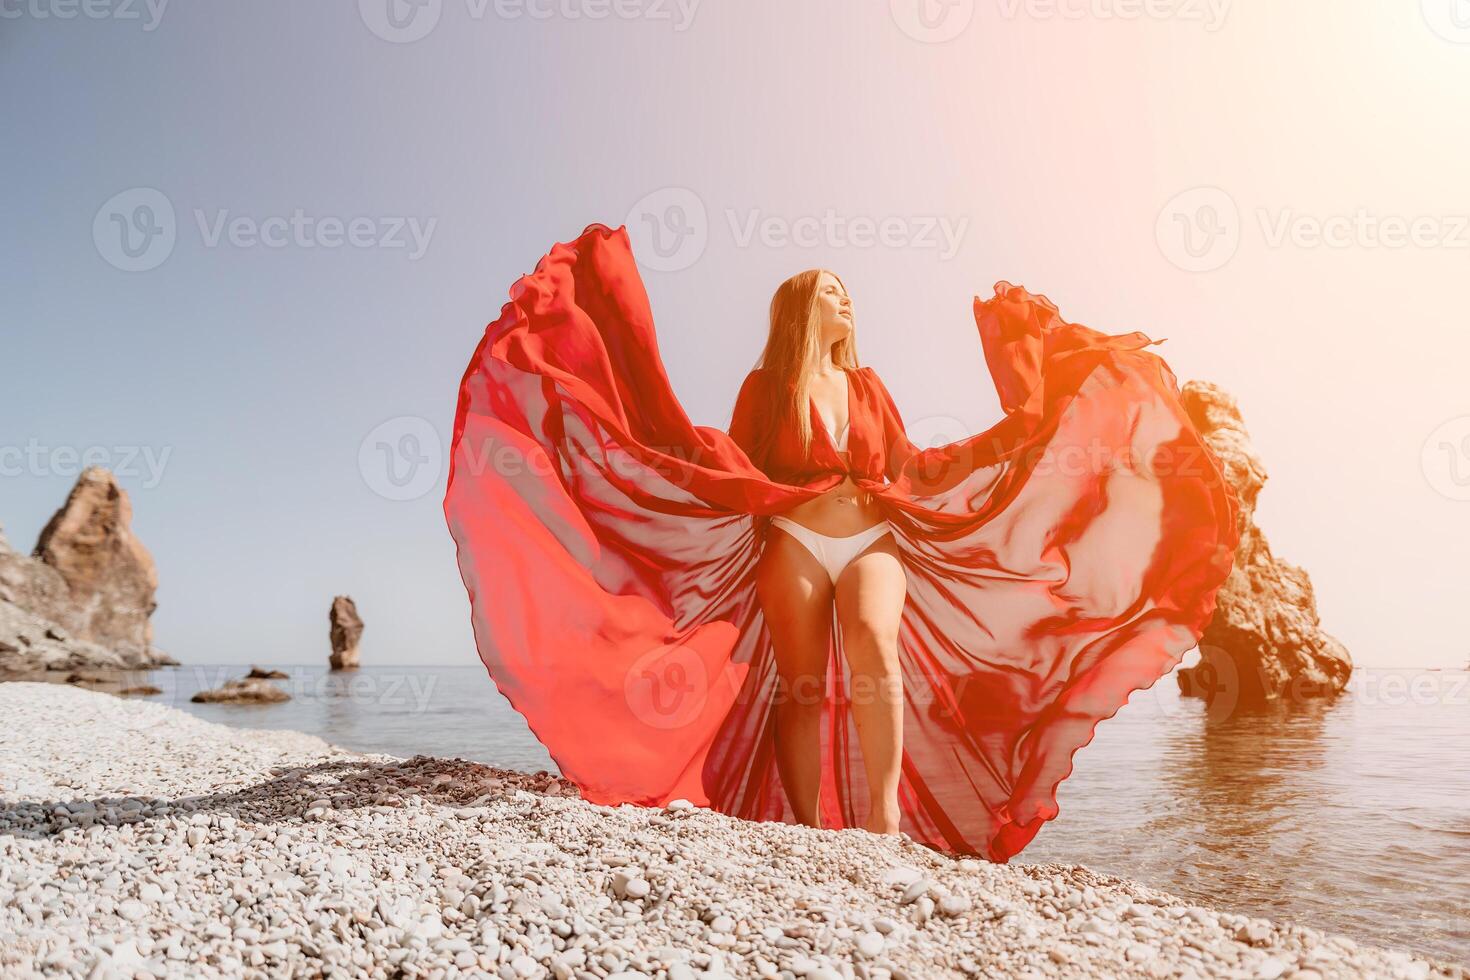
{"x":139,"y":841}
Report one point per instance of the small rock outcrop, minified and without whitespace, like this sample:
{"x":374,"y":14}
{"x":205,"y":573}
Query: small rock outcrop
{"x":244,"y":690}
{"x":346,"y":633}
{"x":1265,"y":642}
{"x":86,"y":595}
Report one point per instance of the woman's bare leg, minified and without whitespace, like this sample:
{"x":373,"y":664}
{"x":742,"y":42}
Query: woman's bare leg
{"x":796,"y":598}
{"x":870,"y":595}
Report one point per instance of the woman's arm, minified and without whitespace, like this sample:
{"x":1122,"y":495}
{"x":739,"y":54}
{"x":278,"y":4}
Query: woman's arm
{"x":896,"y":445}
{"x":930,"y":471}
{"x":750,"y":422}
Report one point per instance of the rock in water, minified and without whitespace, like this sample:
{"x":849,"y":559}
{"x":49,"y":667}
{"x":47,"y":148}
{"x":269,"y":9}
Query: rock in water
{"x":246,"y":690}
{"x":1265,"y":642}
{"x":346,"y":632}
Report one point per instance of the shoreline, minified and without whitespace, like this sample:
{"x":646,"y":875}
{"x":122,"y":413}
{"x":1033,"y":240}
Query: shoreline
{"x":142,"y":841}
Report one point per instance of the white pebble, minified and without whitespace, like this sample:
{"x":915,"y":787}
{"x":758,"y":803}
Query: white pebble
{"x":394,"y":874}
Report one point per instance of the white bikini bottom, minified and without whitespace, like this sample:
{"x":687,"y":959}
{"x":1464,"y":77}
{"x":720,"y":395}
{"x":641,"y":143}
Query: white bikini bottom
{"x":834,"y":552}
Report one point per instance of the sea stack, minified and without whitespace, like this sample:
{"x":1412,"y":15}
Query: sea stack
{"x":346,"y":632}
{"x":1265,"y":642}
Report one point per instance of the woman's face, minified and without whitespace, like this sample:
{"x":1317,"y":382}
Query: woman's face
{"x":835,"y":309}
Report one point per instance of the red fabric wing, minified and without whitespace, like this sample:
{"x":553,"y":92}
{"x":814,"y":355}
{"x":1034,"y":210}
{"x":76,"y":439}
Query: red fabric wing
{"x":1057,"y":562}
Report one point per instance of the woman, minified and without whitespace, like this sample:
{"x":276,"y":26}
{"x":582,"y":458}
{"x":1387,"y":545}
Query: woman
{"x":835,"y":550}
{"x":684,"y":612}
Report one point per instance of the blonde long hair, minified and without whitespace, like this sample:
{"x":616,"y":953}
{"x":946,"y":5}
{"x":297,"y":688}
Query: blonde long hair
{"x":794,"y":346}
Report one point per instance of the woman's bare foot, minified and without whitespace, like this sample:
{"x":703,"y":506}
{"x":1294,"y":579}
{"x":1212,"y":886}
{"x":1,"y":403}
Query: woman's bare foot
{"x":882,"y":820}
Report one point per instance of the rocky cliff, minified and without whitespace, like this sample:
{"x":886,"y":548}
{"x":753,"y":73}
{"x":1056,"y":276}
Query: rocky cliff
{"x":84,"y":598}
{"x":1265,"y":642}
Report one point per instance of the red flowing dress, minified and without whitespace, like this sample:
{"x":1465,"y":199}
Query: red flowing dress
{"x":1056,"y":562}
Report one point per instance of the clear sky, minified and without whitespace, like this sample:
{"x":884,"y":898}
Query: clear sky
{"x":246,"y":245}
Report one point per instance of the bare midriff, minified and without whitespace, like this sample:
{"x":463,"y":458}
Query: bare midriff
{"x":845,"y":509}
